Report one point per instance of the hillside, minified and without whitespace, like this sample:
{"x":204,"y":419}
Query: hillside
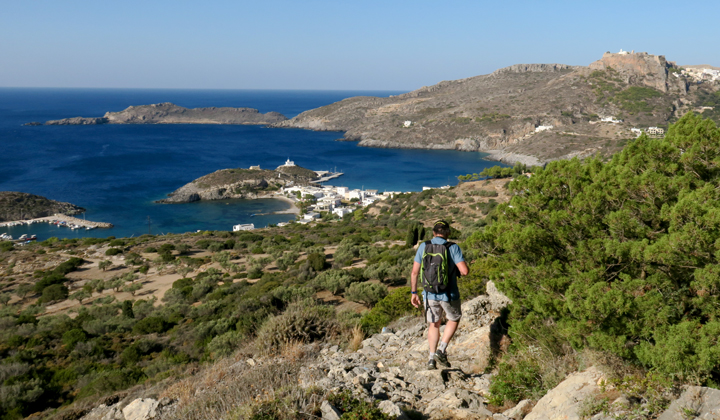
{"x":167,"y":113}
{"x":23,"y":206}
{"x":500,"y":113}
{"x":239,"y":183}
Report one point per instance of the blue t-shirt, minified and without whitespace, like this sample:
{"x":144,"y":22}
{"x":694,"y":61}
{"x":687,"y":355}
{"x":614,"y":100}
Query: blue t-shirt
{"x":456,"y":257}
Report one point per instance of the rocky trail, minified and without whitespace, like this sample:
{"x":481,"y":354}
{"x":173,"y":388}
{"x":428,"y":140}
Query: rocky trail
{"x":390,"y":369}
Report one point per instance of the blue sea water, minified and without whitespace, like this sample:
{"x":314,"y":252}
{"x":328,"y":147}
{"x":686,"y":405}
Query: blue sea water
{"x":117,"y":172}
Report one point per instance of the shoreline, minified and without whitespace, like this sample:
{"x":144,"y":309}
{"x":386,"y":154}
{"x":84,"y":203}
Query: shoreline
{"x":60,"y":218}
{"x":294,"y":209}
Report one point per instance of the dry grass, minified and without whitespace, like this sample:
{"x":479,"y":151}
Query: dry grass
{"x":219,"y":390}
{"x":358,"y":335}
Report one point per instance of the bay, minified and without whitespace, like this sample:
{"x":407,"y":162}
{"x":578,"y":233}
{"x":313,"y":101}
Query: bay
{"x":117,"y":172}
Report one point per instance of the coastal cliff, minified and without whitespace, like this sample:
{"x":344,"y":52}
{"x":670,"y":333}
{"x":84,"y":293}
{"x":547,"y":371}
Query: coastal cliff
{"x":168,"y":113}
{"x":533,"y":113}
{"x":22,"y":206}
{"x":239,"y":183}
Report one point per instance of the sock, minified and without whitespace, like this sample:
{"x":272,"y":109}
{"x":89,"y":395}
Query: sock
{"x":442,"y":347}
{"x":432,"y":355}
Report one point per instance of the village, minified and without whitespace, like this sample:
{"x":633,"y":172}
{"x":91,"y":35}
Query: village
{"x":316,"y":198}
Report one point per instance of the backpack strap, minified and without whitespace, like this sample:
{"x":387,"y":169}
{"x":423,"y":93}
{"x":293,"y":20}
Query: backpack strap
{"x":455,"y":269}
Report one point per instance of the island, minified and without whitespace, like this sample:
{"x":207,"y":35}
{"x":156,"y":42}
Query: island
{"x":249,"y":183}
{"x":168,"y":113}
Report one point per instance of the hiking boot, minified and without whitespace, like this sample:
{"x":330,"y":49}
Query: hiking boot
{"x":431,"y":364}
{"x":441,"y":359}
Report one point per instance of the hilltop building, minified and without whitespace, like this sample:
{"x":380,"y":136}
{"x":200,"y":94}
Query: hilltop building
{"x":288,"y":163}
{"x":246,"y":226}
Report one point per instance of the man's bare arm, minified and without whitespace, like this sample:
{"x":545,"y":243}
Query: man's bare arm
{"x":462,"y":267}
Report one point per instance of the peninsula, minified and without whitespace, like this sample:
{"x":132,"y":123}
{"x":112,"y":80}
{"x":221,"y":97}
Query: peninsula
{"x":532,"y":113}
{"x":168,"y":113}
{"x":22,"y":206}
{"x":241,"y":183}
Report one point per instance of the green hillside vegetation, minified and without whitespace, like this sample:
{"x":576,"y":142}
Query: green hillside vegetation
{"x":258,"y":306}
{"x":619,"y":257}
{"x":613,"y":263}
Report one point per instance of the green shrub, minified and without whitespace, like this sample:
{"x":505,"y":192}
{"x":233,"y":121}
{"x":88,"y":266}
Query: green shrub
{"x":619,"y":256}
{"x":72,"y":337}
{"x":54,"y":292}
{"x":515,"y":382}
{"x":355,"y":409}
{"x":390,"y":308}
{"x":151,"y":249}
{"x":317,"y":261}
{"x":117,"y":242}
{"x":113,"y":251}
{"x":366,"y":293}
{"x":151,"y":324}
{"x":224,"y":345}
{"x":335,"y":281}
{"x":303,"y":321}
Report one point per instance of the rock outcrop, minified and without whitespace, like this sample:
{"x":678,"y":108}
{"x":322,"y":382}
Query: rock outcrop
{"x":391,"y":367}
{"x":695,"y":403}
{"x":500,"y":113}
{"x":23,"y":206}
{"x":239,"y":183}
{"x":167,"y":113}
{"x":565,"y":400}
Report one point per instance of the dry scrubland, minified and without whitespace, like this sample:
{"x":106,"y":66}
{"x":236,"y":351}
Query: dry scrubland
{"x":611,"y":267}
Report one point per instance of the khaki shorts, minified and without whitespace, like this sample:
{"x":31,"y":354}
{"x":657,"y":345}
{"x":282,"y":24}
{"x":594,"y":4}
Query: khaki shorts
{"x":435,"y":308}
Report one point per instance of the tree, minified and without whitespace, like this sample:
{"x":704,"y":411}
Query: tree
{"x":4,"y":298}
{"x":366,"y":293}
{"x":132,"y":288}
{"x":144,"y":269}
{"x":104,"y":264}
{"x":316,"y":260}
{"x":81,"y":295}
{"x":618,"y":256}
{"x":98,"y":285}
{"x":184,"y":270}
{"x":54,"y":292}
{"x":23,"y":290}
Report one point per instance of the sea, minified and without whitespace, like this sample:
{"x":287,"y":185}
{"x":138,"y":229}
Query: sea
{"x":117,"y":172}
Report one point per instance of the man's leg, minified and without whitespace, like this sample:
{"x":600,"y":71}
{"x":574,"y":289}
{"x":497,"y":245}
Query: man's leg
{"x":450,"y":328}
{"x":434,"y":335}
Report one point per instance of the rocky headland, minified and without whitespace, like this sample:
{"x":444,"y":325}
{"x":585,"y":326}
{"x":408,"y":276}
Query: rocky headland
{"x":531,"y":113}
{"x":240,"y":183}
{"x":167,"y":113}
{"x":22,"y":206}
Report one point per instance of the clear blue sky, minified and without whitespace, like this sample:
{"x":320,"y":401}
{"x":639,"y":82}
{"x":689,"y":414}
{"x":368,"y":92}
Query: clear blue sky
{"x":340,"y":44}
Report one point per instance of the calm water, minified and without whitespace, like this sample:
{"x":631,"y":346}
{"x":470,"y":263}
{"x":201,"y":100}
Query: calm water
{"x":117,"y":171}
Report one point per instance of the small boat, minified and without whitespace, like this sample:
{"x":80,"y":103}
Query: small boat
{"x":22,"y":237}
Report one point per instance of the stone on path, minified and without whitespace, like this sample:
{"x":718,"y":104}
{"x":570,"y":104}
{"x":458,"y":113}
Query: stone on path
{"x":519,"y":411}
{"x":565,"y":400}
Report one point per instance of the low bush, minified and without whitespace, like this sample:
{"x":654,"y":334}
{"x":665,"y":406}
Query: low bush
{"x":390,"y":308}
{"x":303,"y":321}
{"x":366,"y":293}
{"x":113,"y":251}
{"x":353,"y":408}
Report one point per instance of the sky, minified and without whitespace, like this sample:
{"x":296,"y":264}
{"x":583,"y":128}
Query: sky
{"x":330,"y":45}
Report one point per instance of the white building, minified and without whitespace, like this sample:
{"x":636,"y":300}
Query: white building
{"x":610,"y":120}
{"x":341,"y":191}
{"x":636,"y":131}
{"x":247,"y":226}
{"x":540,"y":128}
{"x":369,"y":200}
{"x":407,"y":124}
{"x":355,"y":194}
{"x":311,"y":215}
{"x":289,"y":163}
{"x":655,"y":131}
{"x":342,"y":211}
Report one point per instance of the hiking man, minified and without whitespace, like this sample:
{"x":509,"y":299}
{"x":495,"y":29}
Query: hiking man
{"x":439,"y":298}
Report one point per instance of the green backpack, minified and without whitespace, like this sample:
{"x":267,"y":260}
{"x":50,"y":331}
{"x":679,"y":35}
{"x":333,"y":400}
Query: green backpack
{"x":435,"y":267}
